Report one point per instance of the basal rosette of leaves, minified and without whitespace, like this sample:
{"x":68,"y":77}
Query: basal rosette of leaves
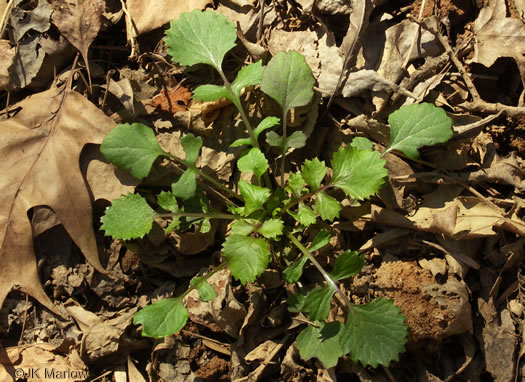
{"x":268,"y":215}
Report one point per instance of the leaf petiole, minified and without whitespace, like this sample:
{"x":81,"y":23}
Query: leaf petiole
{"x":325,"y":274}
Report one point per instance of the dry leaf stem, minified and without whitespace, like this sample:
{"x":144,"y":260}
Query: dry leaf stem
{"x":453,"y":57}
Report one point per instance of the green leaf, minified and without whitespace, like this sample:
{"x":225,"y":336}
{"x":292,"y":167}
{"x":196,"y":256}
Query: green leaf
{"x":327,"y":207}
{"x":200,"y":38}
{"x":192,"y":146}
{"x":375,"y":333}
{"x":313,"y":172}
{"x":347,"y":264}
{"x":253,"y":162}
{"x":361,"y":143}
{"x":128,"y":217}
{"x":208,"y":93}
{"x":186,"y":186}
{"x":271,"y":228}
{"x":162,"y":318}
{"x":242,"y":227}
{"x":133,"y":148}
{"x":206,"y":291}
{"x":305,"y":215}
{"x":254,"y":196}
{"x":322,"y":343}
{"x":417,"y":125}
{"x":248,"y":257}
{"x":317,"y":303}
{"x":168,"y":201}
{"x":248,"y":76}
{"x":320,"y":240}
{"x":265,"y":124}
{"x":288,"y":80}
{"x":296,"y":302}
{"x":293,"y":273}
{"x":296,"y":184}
{"x":358,"y":173}
{"x":297,"y":140}
{"x":274,"y":139}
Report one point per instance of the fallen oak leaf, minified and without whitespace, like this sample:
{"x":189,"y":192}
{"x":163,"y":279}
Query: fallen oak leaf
{"x":79,"y":21}
{"x":172,"y":100}
{"x":40,"y":147}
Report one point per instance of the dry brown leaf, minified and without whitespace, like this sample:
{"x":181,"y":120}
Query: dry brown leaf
{"x":79,"y":21}
{"x":42,"y":362}
{"x":172,"y":100}
{"x":38,"y":147}
{"x":498,"y":36}
{"x":7,"y":54}
{"x":105,"y":180}
{"x":37,"y":19}
{"x":149,"y":15}
{"x":224,"y":312}
{"x":460,"y":217}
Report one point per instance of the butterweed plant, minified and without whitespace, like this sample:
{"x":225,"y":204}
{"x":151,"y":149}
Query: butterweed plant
{"x":272,"y":214}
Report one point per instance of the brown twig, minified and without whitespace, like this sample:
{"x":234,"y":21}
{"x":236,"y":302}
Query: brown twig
{"x":453,"y":57}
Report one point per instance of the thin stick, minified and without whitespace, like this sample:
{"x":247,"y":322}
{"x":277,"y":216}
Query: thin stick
{"x":261,"y":21}
{"x":416,"y":35}
{"x":459,"y":65}
{"x":5,"y":16}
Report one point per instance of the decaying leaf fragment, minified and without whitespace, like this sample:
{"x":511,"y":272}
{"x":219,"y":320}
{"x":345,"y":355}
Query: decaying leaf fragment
{"x":7,"y":55}
{"x":79,"y":21}
{"x":498,"y":36}
{"x":149,"y":15}
{"x":39,"y":147}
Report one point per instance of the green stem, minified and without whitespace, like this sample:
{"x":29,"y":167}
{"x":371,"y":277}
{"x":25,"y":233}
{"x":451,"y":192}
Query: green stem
{"x":211,"y":215}
{"x":237,"y":103}
{"x":244,"y":117}
{"x":206,"y":176}
{"x":218,"y":268}
{"x":295,"y":202}
{"x":285,"y":146}
{"x":325,"y":274}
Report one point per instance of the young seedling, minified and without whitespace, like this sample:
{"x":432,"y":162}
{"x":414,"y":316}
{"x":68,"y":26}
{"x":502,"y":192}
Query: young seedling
{"x":265,"y":218}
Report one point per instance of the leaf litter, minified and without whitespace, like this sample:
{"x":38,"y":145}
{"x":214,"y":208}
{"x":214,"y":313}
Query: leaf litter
{"x":447,"y":222}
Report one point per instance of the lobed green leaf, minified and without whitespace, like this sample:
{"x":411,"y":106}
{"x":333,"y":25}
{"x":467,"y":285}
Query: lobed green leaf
{"x":162,"y":318}
{"x":293,"y":273}
{"x":296,"y":184}
{"x":247,"y":256}
{"x":348,"y":264}
{"x":271,"y":228}
{"x":317,"y":303}
{"x":288,"y":79}
{"x":358,"y":173}
{"x":133,"y":148}
{"x":313,"y":172}
{"x":322,"y":343}
{"x":186,"y":186}
{"x":417,"y":125}
{"x":206,"y":291}
{"x":327,"y":207}
{"x":253,"y":162}
{"x":128,"y":217}
{"x":254,"y":196}
{"x":297,"y":140}
{"x":200,"y":38}
{"x":374,"y":334}
{"x":210,"y":93}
